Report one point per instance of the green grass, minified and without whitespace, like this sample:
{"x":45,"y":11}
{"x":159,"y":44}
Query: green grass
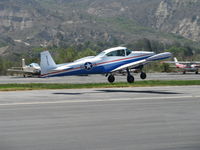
{"x":40,"y":86}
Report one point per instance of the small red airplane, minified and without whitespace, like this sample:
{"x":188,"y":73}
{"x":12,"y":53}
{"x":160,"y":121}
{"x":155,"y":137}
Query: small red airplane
{"x":187,"y":66}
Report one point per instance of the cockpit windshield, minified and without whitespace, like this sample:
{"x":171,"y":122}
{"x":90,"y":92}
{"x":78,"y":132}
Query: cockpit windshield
{"x":117,"y":53}
{"x":101,"y":54}
{"x":128,"y":51}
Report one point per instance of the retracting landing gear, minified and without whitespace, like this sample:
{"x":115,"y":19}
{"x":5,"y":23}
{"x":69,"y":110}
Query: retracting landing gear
{"x":111,"y":78}
{"x":143,"y":75}
{"x":130,"y":78}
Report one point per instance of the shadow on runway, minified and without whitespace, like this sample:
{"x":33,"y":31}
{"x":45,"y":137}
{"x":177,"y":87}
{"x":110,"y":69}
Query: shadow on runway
{"x":118,"y":91}
{"x":67,"y":93}
{"x":131,"y":91}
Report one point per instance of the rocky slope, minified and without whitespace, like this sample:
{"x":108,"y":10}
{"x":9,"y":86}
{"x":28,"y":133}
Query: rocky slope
{"x":179,"y":17}
{"x":61,"y":22}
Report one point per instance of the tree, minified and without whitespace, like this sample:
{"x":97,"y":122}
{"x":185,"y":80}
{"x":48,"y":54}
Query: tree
{"x":4,"y":65}
{"x":86,"y":52}
{"x":67,"y":55}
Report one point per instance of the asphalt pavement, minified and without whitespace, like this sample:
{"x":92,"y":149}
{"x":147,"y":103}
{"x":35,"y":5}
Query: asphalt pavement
{"x":139,"y":118}
{"x":98,"y":78}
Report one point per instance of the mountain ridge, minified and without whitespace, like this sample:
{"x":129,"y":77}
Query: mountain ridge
{"x":44,"y":23}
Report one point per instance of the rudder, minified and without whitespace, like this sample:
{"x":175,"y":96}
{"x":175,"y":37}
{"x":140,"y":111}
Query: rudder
{"x":175,"y":60}
{"x":46,"y":62}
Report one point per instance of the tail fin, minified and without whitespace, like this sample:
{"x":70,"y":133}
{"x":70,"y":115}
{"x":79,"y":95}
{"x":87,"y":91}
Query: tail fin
{"x":23,"y":63}
{"x":175,"y":60}
{"x":46,"y":62}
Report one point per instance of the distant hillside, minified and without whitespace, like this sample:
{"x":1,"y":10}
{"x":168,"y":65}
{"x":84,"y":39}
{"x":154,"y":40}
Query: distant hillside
{"x":25,"y":24}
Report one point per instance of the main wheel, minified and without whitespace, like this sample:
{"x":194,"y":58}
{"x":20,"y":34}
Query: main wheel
{"x":143,"y":75}
{"x":130,"y":79}
{"x":196,"y":72}
{"x":111,"y":78}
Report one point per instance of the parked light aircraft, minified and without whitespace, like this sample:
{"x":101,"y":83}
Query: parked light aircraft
{"x":107,"y":62}
{"x":187,"y":66}
{"x":27,"y":70}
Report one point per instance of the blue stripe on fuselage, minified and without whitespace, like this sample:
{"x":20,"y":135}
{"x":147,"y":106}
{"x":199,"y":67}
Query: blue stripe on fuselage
{"x":99,"y":69}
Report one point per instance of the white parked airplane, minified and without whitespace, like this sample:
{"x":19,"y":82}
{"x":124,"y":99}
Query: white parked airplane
{"x":107,"y":62}
{"x":27,"y":70}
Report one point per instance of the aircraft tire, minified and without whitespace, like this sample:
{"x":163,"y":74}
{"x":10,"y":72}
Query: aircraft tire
{"x":196,"y":72}
{"x":111,"y":78}
{"x":143,"y":75}
{"x":130,"y":79}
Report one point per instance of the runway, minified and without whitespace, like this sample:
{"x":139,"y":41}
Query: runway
{"x":98,"y":78}
{"x":142,"y":118}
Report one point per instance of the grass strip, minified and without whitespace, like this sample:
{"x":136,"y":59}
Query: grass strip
{"x":148,"y":83}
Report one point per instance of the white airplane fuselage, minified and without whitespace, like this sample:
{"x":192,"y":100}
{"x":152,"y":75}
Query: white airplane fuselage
{"x":96,"y":64}
{"x":108,"y":61}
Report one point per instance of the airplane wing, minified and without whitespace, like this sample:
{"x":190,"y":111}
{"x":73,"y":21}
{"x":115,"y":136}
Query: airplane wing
{"x":131,"y":65}
{"x":144,"y":61}
{"x":20,"y":71}
{"x":183,"y":62}
{"x":189,"y":62}
{"x":15,"y":70}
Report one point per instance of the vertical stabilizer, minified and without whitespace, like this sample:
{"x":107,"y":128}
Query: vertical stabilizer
{"x":46,"y":62}
{"x":176,"y":61}
{"x":23,"y":63}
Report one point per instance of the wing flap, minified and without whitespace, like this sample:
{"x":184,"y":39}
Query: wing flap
{"x":131,"y":65}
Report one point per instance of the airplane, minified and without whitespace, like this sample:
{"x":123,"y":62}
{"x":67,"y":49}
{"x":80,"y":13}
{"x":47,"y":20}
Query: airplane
{"x":32,"y":69}
{"x":107,"y":62}
{"x":187,"y":66}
